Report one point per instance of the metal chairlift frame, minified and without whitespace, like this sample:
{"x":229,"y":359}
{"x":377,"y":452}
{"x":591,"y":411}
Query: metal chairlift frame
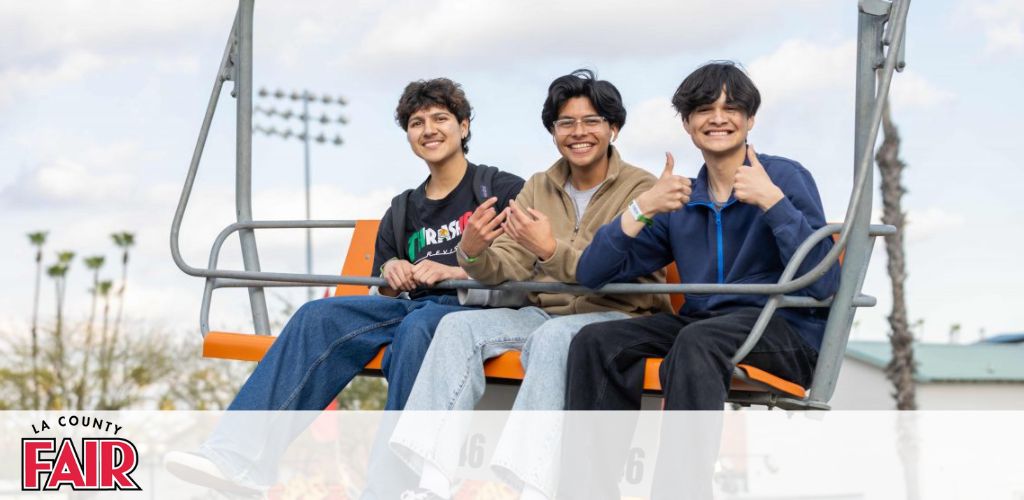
{"x":880,"y":52}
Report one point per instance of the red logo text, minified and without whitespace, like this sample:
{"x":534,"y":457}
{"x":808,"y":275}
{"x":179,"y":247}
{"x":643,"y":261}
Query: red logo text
{"x":100,"y":464}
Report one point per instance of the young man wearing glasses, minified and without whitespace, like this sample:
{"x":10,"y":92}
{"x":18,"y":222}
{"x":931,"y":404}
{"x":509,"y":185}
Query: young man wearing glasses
{"x":539,"y":237}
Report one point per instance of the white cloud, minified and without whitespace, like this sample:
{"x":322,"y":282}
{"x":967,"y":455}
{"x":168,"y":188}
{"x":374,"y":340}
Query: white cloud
{"x":1003,"y":24}
{"x":911,"y":90}
{"x":652,"y":128}
{"x":807,"y":87}
{"x":501,"y":32}
{"x":70,"y":67}
{"x":923,"y":224}
{"x":66,"y":25}
{"x":652,"y":123}
{"x":97,"y":175}
{"x":62,"y":183}
{"x":1005,"y":35}
{"x":70,"y":40}
{"x":926,"y":223}
{"x":187,"y":64}
{"x":800,"y":67}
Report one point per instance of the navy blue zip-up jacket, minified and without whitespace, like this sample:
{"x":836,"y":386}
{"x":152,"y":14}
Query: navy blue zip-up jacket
{"x":737,"y":244}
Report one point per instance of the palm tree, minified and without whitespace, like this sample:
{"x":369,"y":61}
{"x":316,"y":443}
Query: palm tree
{"x":59,"y":273}
{"x":105,"y":354}
{"x":37,"y":239}
{"x":901,"y":368}
{"x":124,"y":240}
{"x":94,"y":264}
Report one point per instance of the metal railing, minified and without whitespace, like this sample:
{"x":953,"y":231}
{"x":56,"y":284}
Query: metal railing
{"x":880,"y":24}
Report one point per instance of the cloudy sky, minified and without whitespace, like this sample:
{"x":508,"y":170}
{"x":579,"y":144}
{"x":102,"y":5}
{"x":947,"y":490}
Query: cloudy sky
{"x":102,"y":102}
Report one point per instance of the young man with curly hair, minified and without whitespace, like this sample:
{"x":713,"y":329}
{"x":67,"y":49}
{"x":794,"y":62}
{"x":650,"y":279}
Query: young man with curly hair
{"x":327,"y":342}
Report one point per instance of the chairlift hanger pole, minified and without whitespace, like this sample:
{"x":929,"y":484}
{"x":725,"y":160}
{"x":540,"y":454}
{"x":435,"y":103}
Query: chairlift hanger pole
{"x":872,"y":93}
{"x":243,"y":161}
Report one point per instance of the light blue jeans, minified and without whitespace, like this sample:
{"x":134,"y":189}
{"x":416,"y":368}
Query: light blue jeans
{"x":452,"y":378}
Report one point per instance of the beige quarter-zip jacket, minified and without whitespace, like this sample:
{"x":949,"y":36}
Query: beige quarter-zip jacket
{"x":506,"y":260}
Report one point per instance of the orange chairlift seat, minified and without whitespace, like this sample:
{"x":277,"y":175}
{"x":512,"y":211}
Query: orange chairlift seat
{"x":505,"y":368}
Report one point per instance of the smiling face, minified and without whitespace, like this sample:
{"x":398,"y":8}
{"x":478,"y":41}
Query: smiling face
{"x":436,"y":135}
{"x":585,"y":145}
{"x":719,"y":128}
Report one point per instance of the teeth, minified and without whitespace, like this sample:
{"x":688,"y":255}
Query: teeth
{"x":581,"y":146}
{"x":718,"y":132}
{"x":432,"y":143}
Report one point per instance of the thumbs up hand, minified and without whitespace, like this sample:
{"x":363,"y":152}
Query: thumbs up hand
{"x":670,"y":163}
{"x":670,"y":193}
{"x":753,"y":186}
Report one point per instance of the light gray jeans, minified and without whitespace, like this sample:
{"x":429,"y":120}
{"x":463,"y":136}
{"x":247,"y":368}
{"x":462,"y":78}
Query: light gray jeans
{"x":452,"y":378}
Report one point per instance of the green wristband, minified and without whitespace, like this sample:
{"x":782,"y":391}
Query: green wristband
{"x":465,"y":256}
{"x":634,"y":209}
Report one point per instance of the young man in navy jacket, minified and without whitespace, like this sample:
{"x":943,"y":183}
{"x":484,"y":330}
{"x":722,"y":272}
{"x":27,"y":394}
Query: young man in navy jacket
{"x":739,"y":221}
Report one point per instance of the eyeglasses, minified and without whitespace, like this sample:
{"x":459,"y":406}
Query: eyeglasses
{"x":590,"y":123}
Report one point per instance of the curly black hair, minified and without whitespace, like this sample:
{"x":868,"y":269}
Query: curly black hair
{"x":440,"y":92}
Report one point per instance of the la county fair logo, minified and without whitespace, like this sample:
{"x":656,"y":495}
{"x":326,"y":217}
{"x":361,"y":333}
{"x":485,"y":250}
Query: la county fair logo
{"x":93,"y":464}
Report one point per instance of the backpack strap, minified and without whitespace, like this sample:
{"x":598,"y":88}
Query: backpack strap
{"x":483,"y":182}
{"x":399,"y":206}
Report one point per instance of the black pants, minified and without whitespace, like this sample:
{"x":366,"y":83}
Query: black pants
{"x":606,"y":360}
{"x":606,"y":370}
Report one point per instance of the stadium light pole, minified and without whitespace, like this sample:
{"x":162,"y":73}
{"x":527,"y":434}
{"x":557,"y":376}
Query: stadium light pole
{"x":306,"y":97}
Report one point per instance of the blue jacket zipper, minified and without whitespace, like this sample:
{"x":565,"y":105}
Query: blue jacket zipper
{"x":718,"y":235}
{"x":721,"y":254}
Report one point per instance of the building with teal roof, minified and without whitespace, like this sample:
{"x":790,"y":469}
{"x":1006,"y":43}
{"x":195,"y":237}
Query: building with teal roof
{"x":983,"y":375}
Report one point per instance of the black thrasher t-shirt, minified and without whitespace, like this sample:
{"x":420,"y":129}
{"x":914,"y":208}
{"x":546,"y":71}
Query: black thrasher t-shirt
{"x":433,"y":228}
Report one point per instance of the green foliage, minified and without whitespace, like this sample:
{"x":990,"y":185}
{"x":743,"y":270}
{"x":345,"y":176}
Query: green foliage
{"x":123,"y":240}
{"x":65,"y":257}
{"x":87,"y":365}
{"x":57,"y":270}
{"x":364,"y":393}
{"x":79,"y":364}
{"x":203,"y":384}
{"x":37,"y":239}
{"x":95,"y":262}
{"x":149,"y":369}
